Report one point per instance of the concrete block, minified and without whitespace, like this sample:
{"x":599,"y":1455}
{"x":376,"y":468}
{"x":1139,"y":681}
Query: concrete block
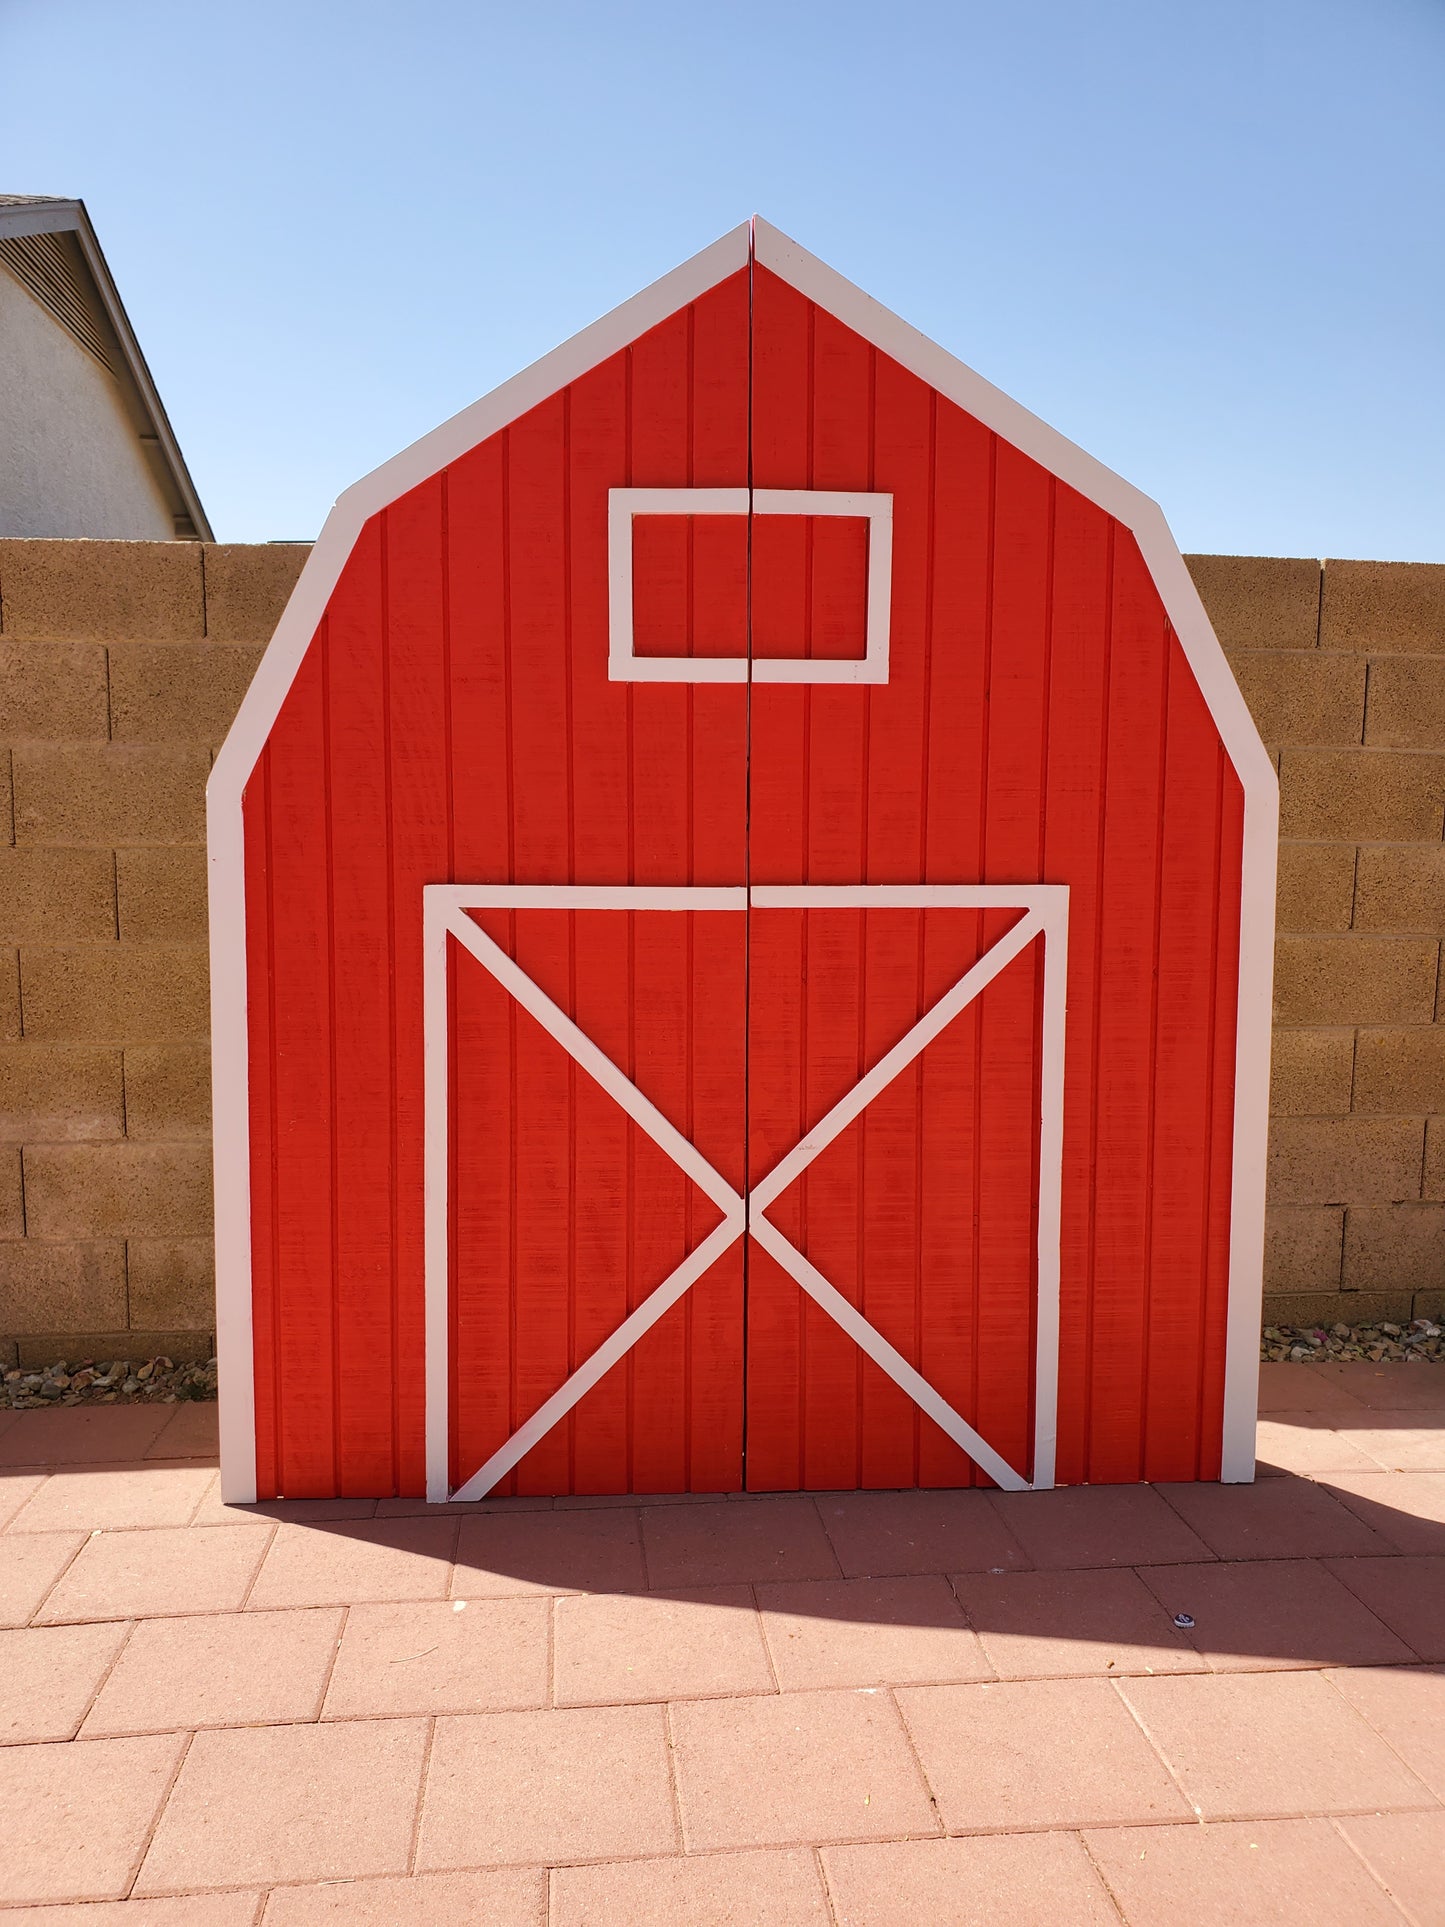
{"x":1323,"y":1309}
{"x":9,"y":996}
{"x":1401,"y":1071}
{"x":1357,"y":796}
{"x":52,"y":896}
{"x":1435,"y":1158}
{"x":173,"y":1283}
{"x":1303,"y":696}
{"x":1355,"y":980}
{"x":101,"y":590}
{"x":183,"y":1348}
{"x":1401,"y":887}
{"x":115,"y":993}
{"x":117,"y":1190}
{"x":1310,"y":1072}
{"x":53,"y":691}
{"x":1406,"y":704}
{"x":12,"y":1197}
{"x":161,"y":895}
{"x":57,"y":1287}
{"x":110,"y":794}
{"x":1384,"y":608}
{"x":176,"y":692}
{"x":168,"y":1092}
{"x":1394,"y":1247}
{"x":1302,"y":1245}
{"x":1316,"y":886}
{"x":247,"y":585}
{"x":1347,"y":1160}
{"x":1259,"y":601}
{"x":48,"y":1094}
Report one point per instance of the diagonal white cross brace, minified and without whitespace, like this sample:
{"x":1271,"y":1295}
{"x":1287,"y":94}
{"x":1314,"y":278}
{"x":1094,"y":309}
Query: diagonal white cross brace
{"x":444,"y":918}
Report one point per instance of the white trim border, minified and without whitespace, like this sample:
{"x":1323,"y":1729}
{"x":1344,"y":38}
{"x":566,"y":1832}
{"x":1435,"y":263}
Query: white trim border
{"x":769,"y":247}
{"x":624,"y":505}
{"x":1045,"y":908}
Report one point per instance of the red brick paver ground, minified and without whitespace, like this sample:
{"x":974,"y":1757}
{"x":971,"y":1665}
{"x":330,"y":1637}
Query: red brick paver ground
{"x":853,"y":1710}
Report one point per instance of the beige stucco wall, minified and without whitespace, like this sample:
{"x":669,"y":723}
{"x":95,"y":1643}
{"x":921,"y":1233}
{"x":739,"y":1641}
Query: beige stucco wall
{"x":70,"y":464}
{"x":121,"y":665}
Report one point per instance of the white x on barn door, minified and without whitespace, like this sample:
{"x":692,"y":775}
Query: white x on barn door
{"x":447,"y":923}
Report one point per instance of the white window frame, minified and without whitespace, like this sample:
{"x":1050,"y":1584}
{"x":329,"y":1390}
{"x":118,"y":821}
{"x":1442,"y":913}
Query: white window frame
{"x":624,"y":505}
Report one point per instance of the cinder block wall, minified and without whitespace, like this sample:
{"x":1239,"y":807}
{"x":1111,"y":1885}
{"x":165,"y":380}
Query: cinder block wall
{"x":121,"y":665}
{"x":1343,"y":665}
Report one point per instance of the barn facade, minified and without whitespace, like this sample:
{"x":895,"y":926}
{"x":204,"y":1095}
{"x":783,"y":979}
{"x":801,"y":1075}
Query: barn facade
{"x":742,"y":901}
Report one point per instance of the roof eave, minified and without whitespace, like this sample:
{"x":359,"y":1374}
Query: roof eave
{"x":70,"y":217}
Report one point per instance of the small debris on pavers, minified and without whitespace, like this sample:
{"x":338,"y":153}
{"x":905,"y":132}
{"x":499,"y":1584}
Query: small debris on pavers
{"x":108,"y":1381}
{"x":1421,"y":1340}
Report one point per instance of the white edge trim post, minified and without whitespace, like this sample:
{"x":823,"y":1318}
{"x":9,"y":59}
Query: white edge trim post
{"x":1045,"y":908}
{"x":1009,"y":419}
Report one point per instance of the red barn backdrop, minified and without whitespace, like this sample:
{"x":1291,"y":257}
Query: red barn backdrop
{"x":742,"y":898}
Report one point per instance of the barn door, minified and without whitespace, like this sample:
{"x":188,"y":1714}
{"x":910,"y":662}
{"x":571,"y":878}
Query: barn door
{"x":591,"y":1110}
{"x":904,"y":1059}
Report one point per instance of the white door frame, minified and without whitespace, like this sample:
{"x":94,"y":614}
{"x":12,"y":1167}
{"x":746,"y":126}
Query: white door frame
{"x":444,"y":918}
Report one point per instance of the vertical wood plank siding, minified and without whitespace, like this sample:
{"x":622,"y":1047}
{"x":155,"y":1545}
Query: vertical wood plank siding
{"x":453,"y":721}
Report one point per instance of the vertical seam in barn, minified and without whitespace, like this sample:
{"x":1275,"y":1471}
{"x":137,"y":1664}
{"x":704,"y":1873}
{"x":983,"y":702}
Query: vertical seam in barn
{"x":1039,"y":949}
{"x":1150,"y":1281}
{"x":689,"y":696}
{"x":1094,"y":1008}
{"x":509,"y":751}
{"x":569,"y":767}
{"x":1211,"y":1081}
{"x":989,"y":574}
{"x":630,"y":1362}
{"x":323,"y":646}
{"x":274,"y":1109}
{"x":747,"y":872}
{"x":383,"y":531}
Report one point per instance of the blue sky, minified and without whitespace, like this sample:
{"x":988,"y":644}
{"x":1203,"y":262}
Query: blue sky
{"x":1206,"y":240}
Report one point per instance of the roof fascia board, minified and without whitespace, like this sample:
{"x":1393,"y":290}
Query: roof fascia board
{"x":70,"y":217}
{"x":39,"y":217}
{"x":139,"y":376}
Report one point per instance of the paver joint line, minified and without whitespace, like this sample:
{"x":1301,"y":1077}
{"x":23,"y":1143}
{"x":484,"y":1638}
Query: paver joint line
{"x":1349,"y":1598}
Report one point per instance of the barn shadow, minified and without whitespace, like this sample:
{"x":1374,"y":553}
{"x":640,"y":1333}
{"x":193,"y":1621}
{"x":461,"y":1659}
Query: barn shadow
{"x":1291,"y":1571}
{"x":1335,"y":1556}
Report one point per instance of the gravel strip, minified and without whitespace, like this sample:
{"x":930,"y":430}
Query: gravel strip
{"x":1297,"y":1344}
{"x":111,"y":1381}
{"x":160,"y":1381}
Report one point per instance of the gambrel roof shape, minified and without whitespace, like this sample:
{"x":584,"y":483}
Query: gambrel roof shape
{"x":753,"y":244}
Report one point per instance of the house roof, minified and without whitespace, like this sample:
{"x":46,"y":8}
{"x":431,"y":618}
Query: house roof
{"x":49,"y":245}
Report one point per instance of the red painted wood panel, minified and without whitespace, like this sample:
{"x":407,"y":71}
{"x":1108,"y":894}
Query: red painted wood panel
{"x":367,"y":1201}
{"x":690,"y":585}
{"x":567,"y":1214}
{"x":468,"y":696}
{"x":453,"y":720}
{"x":905,"y":1212}
{"x":303,"y":1069}
{"x":1038,"y":725}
